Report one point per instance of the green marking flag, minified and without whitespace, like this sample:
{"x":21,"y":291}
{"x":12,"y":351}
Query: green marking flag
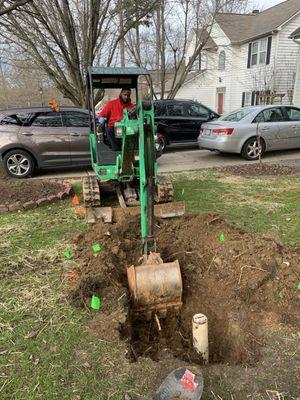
{"x":299,"y":286}
{"x":222,"y":238}
{"x":95,"y":303}
{"x":67,"y":254}
{"x":96,"y":248}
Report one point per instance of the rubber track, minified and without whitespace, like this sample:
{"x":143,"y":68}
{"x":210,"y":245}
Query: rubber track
{"x":91,"y":191}
{"x":164,"y":190}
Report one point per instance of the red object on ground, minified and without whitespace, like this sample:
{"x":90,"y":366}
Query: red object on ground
{"x":181,"y":384}
{"x":75,"y":200}
{"x":188,"y":380}
{"x":113,"y":110}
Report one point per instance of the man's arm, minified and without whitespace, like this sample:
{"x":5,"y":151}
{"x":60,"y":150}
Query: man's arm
{"x":106,"y":112}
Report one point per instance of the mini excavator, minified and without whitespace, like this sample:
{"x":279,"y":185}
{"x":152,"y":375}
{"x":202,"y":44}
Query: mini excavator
{"x":155,"y":287}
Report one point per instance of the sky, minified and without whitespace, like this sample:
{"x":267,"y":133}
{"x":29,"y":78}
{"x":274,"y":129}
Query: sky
{"x":269,"y":3}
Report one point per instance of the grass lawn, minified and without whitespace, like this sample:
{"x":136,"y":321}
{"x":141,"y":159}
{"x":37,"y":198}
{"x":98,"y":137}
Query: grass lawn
{"x":47,"y":349}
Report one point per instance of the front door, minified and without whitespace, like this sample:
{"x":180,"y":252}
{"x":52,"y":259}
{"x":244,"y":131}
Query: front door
{"x":220,"y":102}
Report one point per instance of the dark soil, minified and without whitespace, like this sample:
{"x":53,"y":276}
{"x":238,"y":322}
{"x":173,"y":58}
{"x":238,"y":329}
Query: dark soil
{"x":22,"y":191}
{"x":257,"y":169}
{"x":246,"y":286}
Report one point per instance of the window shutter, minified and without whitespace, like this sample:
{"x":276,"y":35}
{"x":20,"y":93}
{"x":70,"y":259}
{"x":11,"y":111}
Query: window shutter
{"x":253,"y":99}
{"x":243,"y":99}
{"x":269,"y":50}
{"x":249,"y":55}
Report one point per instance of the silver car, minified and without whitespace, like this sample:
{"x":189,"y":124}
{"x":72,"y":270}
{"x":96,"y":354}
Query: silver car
{"x":252,"y":130}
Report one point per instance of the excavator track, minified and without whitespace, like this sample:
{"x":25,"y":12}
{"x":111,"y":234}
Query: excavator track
{"x":164,"y":190}
{"x":91,"y":191}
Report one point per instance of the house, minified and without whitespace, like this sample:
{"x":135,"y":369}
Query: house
{"x":296,"y":95}
{"x":249,"y":59}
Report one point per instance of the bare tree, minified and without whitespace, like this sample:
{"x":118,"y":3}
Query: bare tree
{"x":65,"y":37}
{"x":179,"y":31}
{"x":6,"y":6}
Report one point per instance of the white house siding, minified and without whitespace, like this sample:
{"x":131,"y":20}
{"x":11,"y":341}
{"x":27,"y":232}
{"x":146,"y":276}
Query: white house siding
{"x":253,"y":78}
{"x":286,"y":60}
{"x":278,"y":75}
{"x":200,"y":89}
{"x":204,"y":87}
{"x":296,"y":99}
{"x":237,"y":78}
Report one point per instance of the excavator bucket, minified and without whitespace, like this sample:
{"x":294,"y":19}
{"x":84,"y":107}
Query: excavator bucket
{"x":155,"y":287}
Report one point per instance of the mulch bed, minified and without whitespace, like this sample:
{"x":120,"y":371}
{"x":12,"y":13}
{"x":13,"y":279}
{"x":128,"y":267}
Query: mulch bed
{"x":16,"y":195}
{"x":258,"y":169}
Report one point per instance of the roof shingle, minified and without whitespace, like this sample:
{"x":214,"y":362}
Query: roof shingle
{"x":244,"y":27}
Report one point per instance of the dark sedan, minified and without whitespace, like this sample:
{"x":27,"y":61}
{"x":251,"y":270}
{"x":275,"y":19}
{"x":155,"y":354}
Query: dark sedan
{"x":179,"y":121}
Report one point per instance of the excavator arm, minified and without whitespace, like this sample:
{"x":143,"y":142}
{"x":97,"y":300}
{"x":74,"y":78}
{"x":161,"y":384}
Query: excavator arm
{"x":139,"y":128}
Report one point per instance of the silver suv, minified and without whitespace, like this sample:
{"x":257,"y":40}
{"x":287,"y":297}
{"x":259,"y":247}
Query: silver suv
{"x":43,"y":138}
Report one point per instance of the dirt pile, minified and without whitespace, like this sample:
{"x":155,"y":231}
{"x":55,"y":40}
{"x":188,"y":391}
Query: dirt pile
{"x":245,"y":285}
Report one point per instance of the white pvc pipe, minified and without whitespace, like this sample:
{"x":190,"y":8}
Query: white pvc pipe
{"x":200,"y":335}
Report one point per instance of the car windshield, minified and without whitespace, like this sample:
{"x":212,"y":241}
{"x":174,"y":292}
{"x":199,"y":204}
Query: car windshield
{"x":236,"y":115}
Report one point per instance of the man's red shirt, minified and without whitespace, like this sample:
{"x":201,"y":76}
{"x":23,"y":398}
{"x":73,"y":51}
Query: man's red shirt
{"x":113,"y":110}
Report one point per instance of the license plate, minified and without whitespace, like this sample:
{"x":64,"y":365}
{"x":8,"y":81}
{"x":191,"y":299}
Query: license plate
{"x":207,"y":132}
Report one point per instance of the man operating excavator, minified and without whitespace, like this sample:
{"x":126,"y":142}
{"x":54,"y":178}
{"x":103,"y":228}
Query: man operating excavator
{"x":112,"y":113}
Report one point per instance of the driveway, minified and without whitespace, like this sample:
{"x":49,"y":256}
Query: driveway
{"x":188,"y":159}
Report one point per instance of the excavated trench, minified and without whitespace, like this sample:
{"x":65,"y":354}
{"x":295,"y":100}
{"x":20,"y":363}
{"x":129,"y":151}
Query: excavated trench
{"x":245,"y":285}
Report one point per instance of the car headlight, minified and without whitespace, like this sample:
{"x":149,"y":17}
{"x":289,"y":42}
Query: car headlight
{"x":118,"y":131}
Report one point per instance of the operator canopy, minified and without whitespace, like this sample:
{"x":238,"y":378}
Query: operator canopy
{"x":114,"y":78}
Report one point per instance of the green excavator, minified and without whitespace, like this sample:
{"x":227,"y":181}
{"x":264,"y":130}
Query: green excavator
{"x":155,"y":286}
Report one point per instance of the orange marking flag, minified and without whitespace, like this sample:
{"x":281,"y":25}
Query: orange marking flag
{"x":75,"y":200}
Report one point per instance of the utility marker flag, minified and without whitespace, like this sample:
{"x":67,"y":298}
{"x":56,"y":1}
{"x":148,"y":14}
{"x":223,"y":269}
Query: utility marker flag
{"x":75,"y":200}
{"x":95,"y":304}
{"x":96,"y":248}
{"x":67,"y":254}
{"x":222,"y":237}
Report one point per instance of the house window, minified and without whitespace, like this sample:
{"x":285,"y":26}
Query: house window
{"x":259,"y":52}
{"x":248,"y":96}
{"x":249,"y":99}
{"x":222,"y":61}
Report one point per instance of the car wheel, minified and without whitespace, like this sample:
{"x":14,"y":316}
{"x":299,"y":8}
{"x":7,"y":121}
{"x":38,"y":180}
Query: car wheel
{"x":251,"y":149}
{"x":158,"y":149}
{"x":162,"y":141}
{"x":18,"y":164}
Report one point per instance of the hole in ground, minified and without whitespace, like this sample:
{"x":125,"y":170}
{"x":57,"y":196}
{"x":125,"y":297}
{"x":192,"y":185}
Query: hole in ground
{"x":233,"y":284}
{"x":232,"y":336}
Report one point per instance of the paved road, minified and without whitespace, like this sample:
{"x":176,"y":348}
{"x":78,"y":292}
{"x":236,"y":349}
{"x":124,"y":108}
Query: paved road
{"x":188,"y":159}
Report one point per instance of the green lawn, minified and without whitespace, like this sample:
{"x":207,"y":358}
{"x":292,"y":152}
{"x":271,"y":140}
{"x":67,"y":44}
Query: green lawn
{"x":46,"y":349}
